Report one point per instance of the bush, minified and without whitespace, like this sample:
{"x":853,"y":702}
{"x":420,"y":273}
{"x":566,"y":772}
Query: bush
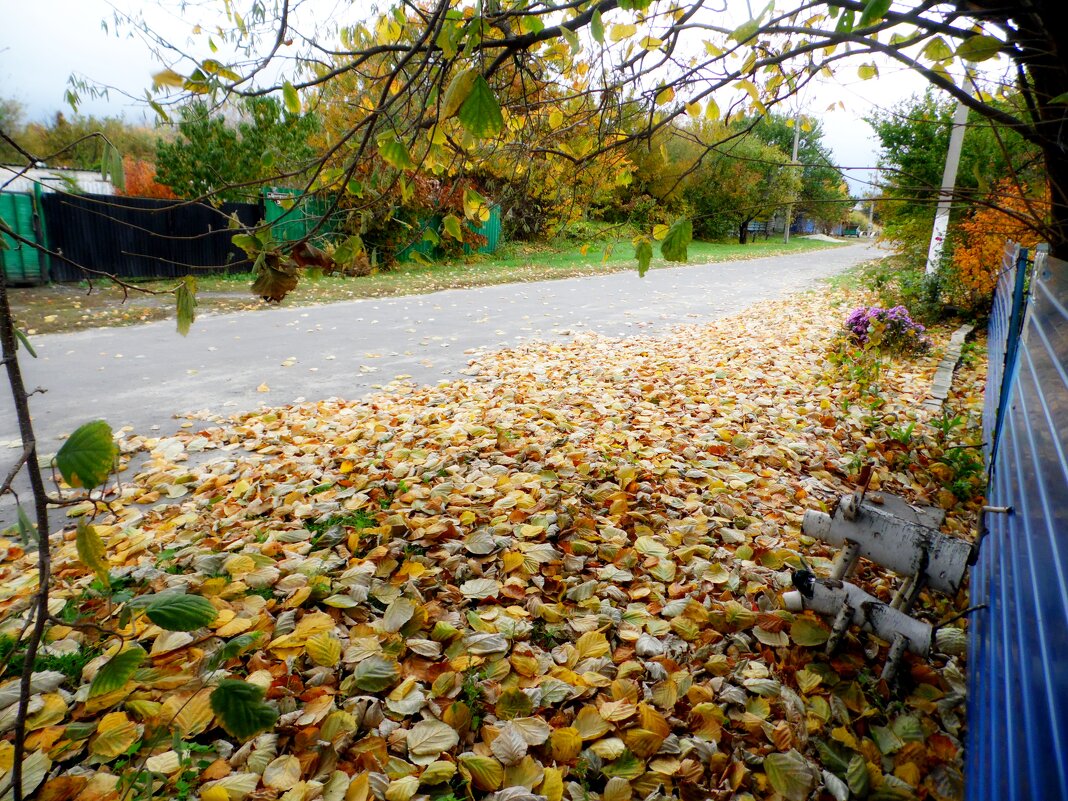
{"x":904,"y":282}
{"x":890,"y":329}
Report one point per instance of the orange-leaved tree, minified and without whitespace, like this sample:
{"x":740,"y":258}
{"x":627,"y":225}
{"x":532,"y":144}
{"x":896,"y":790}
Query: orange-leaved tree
{"x":1010,"y":211}
{"x":141,"y":180}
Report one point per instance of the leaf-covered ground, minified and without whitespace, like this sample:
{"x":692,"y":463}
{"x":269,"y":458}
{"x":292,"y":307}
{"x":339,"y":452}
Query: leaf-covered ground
{"x":559,"y":579}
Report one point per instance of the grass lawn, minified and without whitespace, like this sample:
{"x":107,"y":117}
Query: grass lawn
{"x":70,"y":307}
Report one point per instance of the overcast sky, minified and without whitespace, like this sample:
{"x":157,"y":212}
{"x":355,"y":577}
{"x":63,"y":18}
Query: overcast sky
{"x":42,"y":42}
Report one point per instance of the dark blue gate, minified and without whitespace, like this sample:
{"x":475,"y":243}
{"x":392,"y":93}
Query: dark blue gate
{"x":1018,"y":653}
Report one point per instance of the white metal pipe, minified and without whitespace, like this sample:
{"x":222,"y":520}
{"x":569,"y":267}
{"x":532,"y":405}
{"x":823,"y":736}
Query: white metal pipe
{"x":871,"y":614}
{"x":905,"y":547}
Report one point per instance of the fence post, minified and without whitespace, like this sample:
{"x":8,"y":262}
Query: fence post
{"x":1015,"y":329}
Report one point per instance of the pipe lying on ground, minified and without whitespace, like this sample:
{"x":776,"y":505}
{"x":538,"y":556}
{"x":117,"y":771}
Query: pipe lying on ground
{"x":829,"y":597}
{"x":907,"y":548}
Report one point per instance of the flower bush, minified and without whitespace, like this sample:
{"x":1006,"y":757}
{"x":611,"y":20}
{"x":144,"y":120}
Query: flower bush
{"x":887,"y":329}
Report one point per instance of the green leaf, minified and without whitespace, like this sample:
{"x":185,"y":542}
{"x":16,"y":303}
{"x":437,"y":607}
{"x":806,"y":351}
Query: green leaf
{"x":643,"y":252}
{"x":572,"y":39}
{"x":835,"y":757}
{"x":513,"y":703}
{"x":111,"y":167}
{"x":27,"y":530}
{"x":451,"y":224}
{"x":186,"y":295}
{"x":91,"y":551}
{"x":176,"y":612}
{"x":234,"y":648}
{"x":745,"y":32}
{"x":627,"y":766}
{"x":480,"y":113}
{"x":937,"y":50}
{"x":979,"y":48}
{"x":857,"y":775}
{"x":376,"y":673}
{"x":677,"y":240}
{"x":347,"y":251}
{"x":395,"y":152}
{"x":88,"y":456}
{"x":790,"y":774}
{"x":874,"y":11}
{"x":247,"y":242}
{"x":457,"y":92}
{"x":21,"y":336}
{"x":867,"y":71}
{"x":845,"y":22}
{"x":241,"y":709}
{"x":597,"y":27}
{"x":807,"y":632}
{"x":291,"y":98}
{"x":117,"y":671}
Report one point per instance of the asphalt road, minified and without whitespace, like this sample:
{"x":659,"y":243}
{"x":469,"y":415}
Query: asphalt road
{"x":145,"y":375}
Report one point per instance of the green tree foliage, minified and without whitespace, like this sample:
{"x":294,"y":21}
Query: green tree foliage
{"x":823,"y":196}
{"x":212,"y":158}
{"x":78,"y":142}
{"x":914,"y":137}
{"x":723,"y":177}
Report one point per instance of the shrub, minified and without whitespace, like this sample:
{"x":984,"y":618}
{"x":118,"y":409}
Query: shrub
{"x":887,"y":329}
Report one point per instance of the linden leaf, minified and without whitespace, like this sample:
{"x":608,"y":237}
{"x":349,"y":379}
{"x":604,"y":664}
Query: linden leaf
{"x":790,"y":775}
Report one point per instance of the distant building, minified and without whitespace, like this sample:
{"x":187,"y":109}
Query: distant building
{"x":53,"y":179}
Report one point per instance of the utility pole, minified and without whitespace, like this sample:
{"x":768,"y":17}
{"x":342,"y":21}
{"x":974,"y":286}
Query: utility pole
{"x":949,"y":183}
{"x":793,"y":163}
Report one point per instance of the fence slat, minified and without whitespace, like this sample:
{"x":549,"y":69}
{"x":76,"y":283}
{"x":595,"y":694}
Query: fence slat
{"x":1018,"y":652}
{"x":143,"y":237}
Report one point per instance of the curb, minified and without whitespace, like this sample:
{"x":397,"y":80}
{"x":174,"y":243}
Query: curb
{"x":943,"y":377}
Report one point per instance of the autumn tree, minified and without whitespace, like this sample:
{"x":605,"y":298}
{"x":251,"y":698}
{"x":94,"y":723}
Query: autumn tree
{"x":214,"y":158}
{"x":76,"y":141}
{"x":823,"y":196}
{"x":141,"y":180}
{"x":914,"y":137}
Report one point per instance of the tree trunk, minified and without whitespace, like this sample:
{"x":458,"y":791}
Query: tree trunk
{"x":743,"y":233}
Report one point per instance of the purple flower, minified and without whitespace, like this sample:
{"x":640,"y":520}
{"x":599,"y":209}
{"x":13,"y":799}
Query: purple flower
{"x":891,"y":329}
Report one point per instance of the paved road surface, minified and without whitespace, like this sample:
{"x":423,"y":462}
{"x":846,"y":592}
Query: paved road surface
{"x":144,"y":375}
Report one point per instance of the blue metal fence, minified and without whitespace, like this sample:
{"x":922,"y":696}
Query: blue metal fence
{"x":1017,"y":745}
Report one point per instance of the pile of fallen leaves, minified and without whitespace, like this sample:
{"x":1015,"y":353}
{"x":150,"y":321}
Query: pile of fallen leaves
{"x":559,"y":579}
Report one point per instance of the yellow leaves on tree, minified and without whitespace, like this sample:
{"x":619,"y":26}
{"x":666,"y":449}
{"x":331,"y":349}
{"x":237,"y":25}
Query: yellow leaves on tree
{"x":1012,"y":214}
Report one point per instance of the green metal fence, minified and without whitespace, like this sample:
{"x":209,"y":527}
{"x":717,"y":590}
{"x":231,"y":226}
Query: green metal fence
{"x":491,"y":229}
{"x":293,"y":215}
{"x":22,"y":263}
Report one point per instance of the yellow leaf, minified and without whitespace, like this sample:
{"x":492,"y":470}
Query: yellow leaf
{"x":622,"y":31}
{"x":665,"y":95}
{"x":552,"y":785}
{"x":711,"y":110}
{"x":114,"y":734}
{"x":565,"y":743}
{"x":92,"y":551}
{"x":867,"y":72}
{"x":589,"y":723}
{"x":215,"y":793}
{"x":591,"y":645}
{"x":324,"y":649}
{"x":191,"y":714}
{"x":693,"y":109}
{"x":486,"y":772}
{"x":750,"y":89}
